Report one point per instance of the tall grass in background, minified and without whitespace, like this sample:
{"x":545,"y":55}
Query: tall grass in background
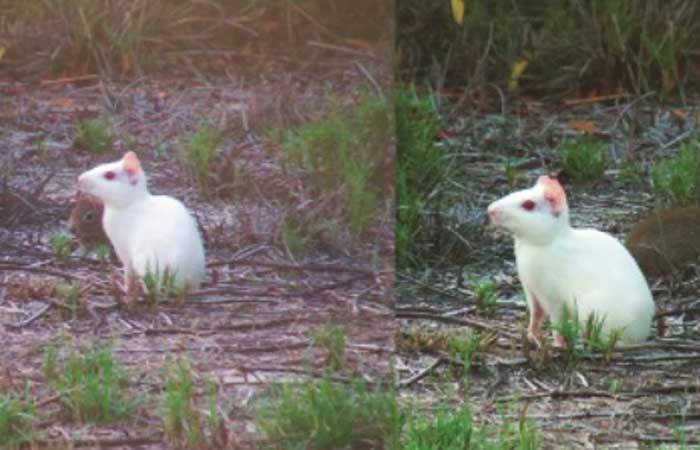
{"x":570,"y":46}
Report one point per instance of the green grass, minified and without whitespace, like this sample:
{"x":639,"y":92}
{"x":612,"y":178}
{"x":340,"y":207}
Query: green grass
{"x":344,"y":155}
{"x":678,"y":179}
{"x":295,"y":236}
{"x":421,"y":168}
{"x":61,"y":244}
{"x":102,"y":251}
{"x":631,"y":173}
{"x":582,"y":338}
{"x":583,"y":160}
{"x":91,"y":384}
{"x":17,"y":421}
{"x":485,"y":294}
{"x":331,"y":338}
{"x":94,"y":135}
{"x":453,"y":428}
{"x":571,"y":46}
{"x":198,"y":152}
{"x":159,"y":285}
{"x":69,"y":296}
{"x":324,"y":415}
{"x":182,"y":420}
{"x":463,"y":346}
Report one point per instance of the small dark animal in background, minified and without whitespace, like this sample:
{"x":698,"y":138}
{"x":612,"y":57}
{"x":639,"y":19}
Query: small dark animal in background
{"x":666,"y":241}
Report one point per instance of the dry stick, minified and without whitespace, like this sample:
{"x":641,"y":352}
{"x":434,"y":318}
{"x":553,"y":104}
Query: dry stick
{"x":677,"y":139}
{"x":371,"y":79}
{"x":100,"y":443}
{"x":339,"y":48}
{"x":301,"y":268}
{"x":42,"y":185}
{"x":597,"y":99}
{"x":615,"y":438}
{"x":458,"y":321}
{"x":71,"y":79}
{"x":432,"y":288}
{"x":422,"y":374}
{"x":608,"y":415}
{"x":53,"y":272}
{"x":227,"y":348}
{"x":31,"y":318}
{"x":689,"y":388}
{"x":559,"y":394}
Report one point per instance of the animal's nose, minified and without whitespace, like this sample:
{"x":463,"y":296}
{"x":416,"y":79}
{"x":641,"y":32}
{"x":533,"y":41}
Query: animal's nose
{"x":72,"y":229}
{"x":493,"y":214}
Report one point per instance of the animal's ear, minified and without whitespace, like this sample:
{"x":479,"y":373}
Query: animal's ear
{"x":132,"y":167}
{"x":553,"y":193}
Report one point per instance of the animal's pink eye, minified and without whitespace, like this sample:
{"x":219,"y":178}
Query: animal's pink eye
{"x":528,"y":205}
{"x":109,"y":175}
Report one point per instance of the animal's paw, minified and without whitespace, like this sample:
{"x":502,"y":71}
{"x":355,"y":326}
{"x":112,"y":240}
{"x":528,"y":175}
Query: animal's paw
{"x":559,"y":341}
{"x":532,"y":337}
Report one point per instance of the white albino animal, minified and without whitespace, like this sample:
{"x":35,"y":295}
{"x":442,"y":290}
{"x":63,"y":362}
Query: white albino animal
{"x":148,"y":232}
{"x":584,"y":270}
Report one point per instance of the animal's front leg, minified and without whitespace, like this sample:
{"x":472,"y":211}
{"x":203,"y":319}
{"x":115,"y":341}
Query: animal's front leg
{"x":536,"y":317}
{"x":133,"y":286}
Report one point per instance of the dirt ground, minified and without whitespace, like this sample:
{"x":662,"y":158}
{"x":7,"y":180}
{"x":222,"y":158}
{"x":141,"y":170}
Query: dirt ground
{"x":249,"y":324}
{"x":644,"y":397}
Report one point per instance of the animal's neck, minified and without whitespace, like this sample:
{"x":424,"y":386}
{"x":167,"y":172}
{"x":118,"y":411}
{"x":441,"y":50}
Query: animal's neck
{"x":135,"y":197}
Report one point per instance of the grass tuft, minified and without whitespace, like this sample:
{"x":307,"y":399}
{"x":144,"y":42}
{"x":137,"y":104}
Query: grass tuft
{"x":331,"y":338}
{"x":580,"y":338}
{"x":322,"y":415}
{"x":159,"y":285}
{"x":61,"y":244}
{"x":69,"y":295}
{"x":678,"y":178}
{"x":17,"y":421}
{"x":198,"y":153}
{"x":181,"y":419}
{"x":94,"y":135}
{"x":344,"y":155}
{"x":486,"y":295}
{"x":455,"y":429}
{"x":464,"y":346}
{"x":91,"y":384}
{"x":185,"y":424}
{"x":583,"y":160}
{"x":422,"y":167}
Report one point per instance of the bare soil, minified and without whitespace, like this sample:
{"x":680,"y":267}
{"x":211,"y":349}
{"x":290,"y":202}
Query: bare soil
{"x":249,"y":325}
{"x":642,"y":397}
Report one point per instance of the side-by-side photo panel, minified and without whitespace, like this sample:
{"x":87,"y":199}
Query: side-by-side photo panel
{"x":197,"y":225}
{"x":548,"y":218}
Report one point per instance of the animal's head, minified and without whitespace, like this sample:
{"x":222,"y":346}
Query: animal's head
{"x":534,"y":215}
{"x":86,"y":214}
{"x":116,"y":184}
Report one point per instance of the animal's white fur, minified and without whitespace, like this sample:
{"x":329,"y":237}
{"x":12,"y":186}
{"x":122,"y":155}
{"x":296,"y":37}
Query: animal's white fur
{"x":584,"y":269}
{"x":148,"y":232}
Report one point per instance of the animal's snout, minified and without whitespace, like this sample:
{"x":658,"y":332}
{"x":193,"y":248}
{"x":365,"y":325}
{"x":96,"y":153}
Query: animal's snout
{"x":494,"y":214}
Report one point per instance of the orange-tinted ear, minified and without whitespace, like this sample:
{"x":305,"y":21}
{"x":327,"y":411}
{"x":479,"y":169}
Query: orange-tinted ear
{"x":132,"y":166}
{"x":553,"y":193}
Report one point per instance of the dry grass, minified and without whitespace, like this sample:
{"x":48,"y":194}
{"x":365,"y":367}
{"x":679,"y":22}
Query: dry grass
{"x":117,"y":38}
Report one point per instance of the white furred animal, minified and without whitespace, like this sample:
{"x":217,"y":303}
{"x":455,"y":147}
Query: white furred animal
{"x":584,"y":270}
{"x":150,"y":233}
